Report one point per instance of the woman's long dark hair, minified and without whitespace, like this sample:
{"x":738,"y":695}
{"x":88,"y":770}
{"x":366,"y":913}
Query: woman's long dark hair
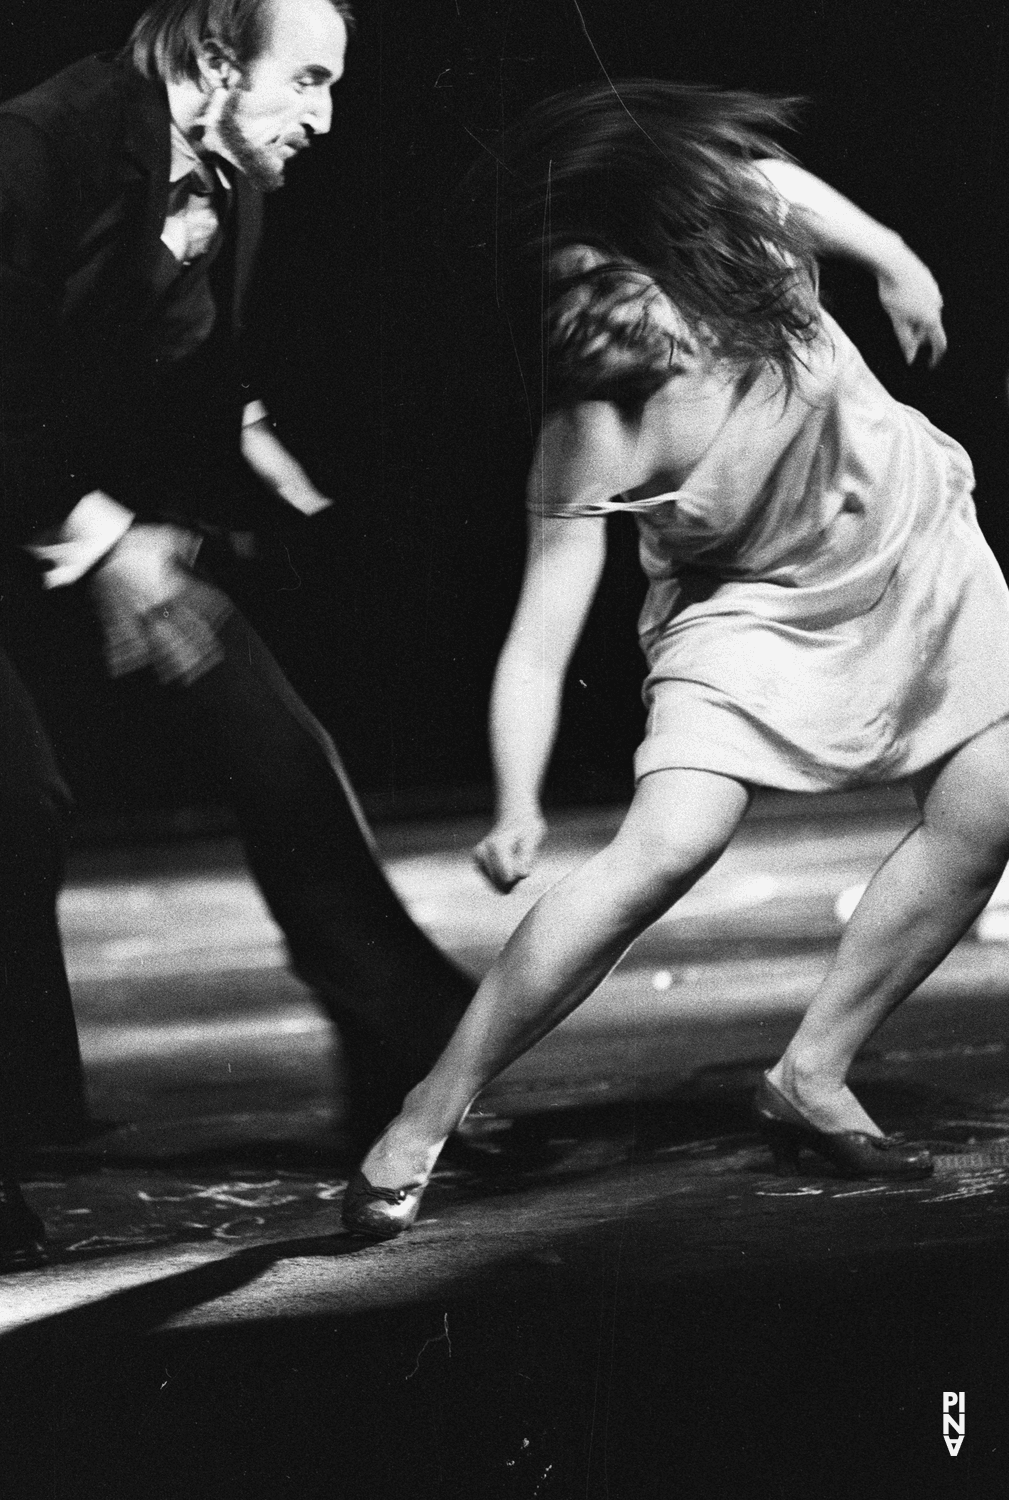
{"x":655,"y":177}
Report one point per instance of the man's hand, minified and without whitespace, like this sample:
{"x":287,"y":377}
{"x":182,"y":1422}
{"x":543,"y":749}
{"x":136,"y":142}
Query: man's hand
{"x":152,"y":610}
{"x":509,"y":851}
{"x":913,"y":303}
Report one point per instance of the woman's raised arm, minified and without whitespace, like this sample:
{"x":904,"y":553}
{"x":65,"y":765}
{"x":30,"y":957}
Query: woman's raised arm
{"x":907,"y":288}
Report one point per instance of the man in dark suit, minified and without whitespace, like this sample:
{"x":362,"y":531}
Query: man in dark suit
{"x":130,"y":198}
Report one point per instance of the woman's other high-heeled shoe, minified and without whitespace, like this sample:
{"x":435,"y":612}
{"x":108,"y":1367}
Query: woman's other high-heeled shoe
{"x":853,"y":1152}
{"x":381,"y":1213}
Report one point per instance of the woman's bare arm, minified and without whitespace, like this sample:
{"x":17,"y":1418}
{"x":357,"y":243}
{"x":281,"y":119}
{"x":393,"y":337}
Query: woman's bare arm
{"x":564,"y":562}
{"x":907,"y":289}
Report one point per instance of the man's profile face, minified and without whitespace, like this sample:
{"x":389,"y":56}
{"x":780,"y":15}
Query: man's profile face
{"x":283,"y":98}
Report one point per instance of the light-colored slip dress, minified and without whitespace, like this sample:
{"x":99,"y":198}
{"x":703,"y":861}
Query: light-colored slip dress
{"x":823,"y":611}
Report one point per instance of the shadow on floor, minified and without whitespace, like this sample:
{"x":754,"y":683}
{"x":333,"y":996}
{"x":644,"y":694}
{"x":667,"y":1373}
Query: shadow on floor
{"x":570,"y":1380}
{"x":107,"y":1198}
{"x":698,"y":1334}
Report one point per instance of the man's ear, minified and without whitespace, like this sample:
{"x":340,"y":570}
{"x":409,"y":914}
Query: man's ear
{"x":218,"y":66}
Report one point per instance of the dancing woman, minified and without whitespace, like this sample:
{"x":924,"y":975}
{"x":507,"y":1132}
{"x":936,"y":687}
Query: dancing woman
{"x":822,"y":609}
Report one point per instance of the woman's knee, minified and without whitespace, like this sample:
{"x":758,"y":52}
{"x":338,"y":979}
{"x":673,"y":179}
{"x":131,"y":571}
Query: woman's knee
{"x":972,"y":830}
{"x":679,"y":824}
{"x":659,"y":864}
{"x":985,"y":844}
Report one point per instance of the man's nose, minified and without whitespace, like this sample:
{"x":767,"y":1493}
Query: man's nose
{"x":319,"y":116}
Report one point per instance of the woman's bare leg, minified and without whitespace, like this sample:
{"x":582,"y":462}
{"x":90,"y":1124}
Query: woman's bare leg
{"x":676,"y":828}
{"x":916,"y":908}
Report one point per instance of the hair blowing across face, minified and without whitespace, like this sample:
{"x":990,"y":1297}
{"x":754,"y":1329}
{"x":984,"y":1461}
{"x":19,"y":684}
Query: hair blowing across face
{"x":655,"y":177}
{"x":167,"y":40}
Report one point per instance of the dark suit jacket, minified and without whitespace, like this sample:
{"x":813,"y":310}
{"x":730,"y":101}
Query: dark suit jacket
{"x":84,"y":168}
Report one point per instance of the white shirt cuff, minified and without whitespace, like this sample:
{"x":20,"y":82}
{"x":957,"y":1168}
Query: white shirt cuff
{"x":253,"y":412}
{"x":90,"y":531}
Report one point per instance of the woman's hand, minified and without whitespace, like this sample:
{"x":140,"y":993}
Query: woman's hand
{"x":509,"y":851}
{"x":907,"y":288}
{"x":913,"y":302}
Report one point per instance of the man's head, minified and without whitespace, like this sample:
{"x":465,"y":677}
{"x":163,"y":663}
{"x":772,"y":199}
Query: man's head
{"x":264,"y":69}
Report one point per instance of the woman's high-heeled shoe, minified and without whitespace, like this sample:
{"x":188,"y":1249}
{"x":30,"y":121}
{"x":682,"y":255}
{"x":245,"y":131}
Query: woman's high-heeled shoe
{"x":853,"y":1152}
{"x":381,"y":1213}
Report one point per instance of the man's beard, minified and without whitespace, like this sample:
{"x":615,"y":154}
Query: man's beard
{"x":253,"y":162}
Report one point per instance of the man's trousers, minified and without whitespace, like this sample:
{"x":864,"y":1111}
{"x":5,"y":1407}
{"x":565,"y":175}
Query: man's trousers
{"x":395,"y":996}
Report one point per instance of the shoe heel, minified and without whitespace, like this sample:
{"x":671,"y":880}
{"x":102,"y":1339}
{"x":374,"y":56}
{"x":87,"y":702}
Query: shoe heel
{"x":784,"y":1149}
{"x":380,"y":1213}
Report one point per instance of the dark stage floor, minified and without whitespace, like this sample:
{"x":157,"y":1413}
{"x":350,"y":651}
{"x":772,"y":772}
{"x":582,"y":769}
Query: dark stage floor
{"x":609,"y":1294}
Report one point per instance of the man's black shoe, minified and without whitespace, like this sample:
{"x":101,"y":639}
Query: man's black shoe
{"x":22,"y":1232}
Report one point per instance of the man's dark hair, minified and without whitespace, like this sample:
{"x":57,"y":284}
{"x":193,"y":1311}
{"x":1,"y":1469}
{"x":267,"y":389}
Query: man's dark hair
{"x":166,"y":41}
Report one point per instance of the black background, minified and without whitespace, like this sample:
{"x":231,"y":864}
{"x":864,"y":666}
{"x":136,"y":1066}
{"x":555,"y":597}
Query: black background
{"x":391,"y":374}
